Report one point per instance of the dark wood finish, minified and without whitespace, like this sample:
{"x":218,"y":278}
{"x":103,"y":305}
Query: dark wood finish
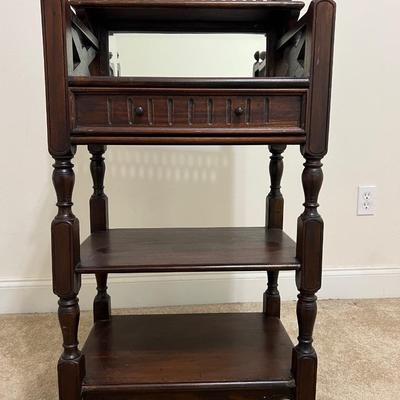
{"x":55,"y":35}
{"x":66,"y":283}
{"x":193,"y":16}
{"x":319,"y":50}
{"x":105,"y":113}
{"x":274,"y":201}
{"x":228,"y":4}
{"x":187,"y":140}
{"x":309,"y":250}
{"x":220,"y":357}
{"x":187,"y":249}
{"x":71,"y":365}
{"x":118,"y":393}
{"x":182,"y":353}
{"x":104,"y":52}
{"x":98,"y":223}
{"x":215,"y":83}
{"x":187,"y":113}
{"x":271,"y":297}
{"x":99,"y":112}
{"x":274,"y":220}
{"x":65,"y":226}
{"x":102,"y":301}
{"x":320,"y":34}
{"x":99,"y":200}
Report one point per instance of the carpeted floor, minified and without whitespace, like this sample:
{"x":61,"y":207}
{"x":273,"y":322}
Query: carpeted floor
{"x":357,"y":343}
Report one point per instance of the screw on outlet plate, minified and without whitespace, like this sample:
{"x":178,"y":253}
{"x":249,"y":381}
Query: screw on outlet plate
{"x":366,"y":203}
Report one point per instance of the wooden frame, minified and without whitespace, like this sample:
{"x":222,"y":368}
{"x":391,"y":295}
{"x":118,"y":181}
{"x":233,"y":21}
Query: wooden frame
{"x":287,"y":104}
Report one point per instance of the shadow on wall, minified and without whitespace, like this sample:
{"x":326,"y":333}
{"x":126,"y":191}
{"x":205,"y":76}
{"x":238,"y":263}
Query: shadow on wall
{"x":151,"y":186}
{"x":147,"y":187}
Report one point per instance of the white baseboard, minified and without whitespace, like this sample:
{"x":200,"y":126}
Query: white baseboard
{"x":34,"y":295}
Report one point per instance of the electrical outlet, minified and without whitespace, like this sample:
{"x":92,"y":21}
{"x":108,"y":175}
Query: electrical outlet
{"x":366,"y":204}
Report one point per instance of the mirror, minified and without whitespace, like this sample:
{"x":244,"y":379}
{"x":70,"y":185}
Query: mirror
{"x":184,"y":55}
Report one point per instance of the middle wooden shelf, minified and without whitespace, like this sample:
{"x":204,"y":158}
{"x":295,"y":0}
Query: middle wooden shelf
{"x":188,"y":250}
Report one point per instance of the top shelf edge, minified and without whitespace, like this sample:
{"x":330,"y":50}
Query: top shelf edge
{"x":131,"y":82}
{"x":286,"y":4}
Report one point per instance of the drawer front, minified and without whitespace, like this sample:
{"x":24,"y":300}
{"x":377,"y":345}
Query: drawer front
{"x":103,"y":112}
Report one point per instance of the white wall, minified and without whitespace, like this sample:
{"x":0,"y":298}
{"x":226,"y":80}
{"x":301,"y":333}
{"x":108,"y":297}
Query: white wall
{"x":209,"y":186}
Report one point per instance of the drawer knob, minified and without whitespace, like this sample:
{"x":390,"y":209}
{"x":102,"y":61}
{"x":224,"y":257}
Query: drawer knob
{"x":239,"y":111}
{"x":139,"y":111}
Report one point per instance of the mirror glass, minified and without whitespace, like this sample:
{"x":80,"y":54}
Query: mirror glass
{"x":184,"y":55}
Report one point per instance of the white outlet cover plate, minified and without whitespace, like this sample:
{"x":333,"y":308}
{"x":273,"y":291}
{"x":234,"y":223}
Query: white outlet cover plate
{"x":366,"y":201}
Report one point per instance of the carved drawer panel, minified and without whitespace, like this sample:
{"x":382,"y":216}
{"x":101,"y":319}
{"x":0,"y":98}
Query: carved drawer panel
{"x":99,"y":112}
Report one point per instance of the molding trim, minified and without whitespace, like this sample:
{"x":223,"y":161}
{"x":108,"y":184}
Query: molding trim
{"x":151,"y":290}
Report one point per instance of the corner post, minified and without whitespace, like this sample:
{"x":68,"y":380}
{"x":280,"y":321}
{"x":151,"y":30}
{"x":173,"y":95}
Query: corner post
{"x":66,"y":282}
{"x":320,"y":26}
{"x":99,"y":222}
{"x":308,"y":280}
{"x":274,"y":220}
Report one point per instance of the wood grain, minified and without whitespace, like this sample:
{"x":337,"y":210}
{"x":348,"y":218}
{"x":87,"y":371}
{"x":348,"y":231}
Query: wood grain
{"x":270,"y":112}
{"x":55,"y":37}
{"x":292,"y":4}
{"x":190,"y":140}
{"x":187,"y":249}
{"x":188,"y":352}
{"x":222,"y":357}
{"x":190,"y":16}
{"x":208,"y":83}
{"x":322,"y":32}
{"x":274,"y":220}
{"x":99,"y":222}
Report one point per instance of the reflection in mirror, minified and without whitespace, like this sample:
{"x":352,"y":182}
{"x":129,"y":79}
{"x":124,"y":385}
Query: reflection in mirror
{"x":184,"y":55}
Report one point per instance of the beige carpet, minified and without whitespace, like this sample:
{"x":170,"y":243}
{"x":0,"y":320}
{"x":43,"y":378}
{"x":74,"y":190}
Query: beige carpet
{"x":357,"y":342}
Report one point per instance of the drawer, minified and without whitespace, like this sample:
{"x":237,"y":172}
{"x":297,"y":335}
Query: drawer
{"x":100,"y":112}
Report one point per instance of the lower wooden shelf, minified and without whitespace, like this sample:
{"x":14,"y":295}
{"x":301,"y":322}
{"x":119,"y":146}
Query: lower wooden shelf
{"x":193,"y":356}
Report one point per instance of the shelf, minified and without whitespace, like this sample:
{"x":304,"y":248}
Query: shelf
{"x":207,"y":83}
{"x":206,"y":352}
{"x":292,"y":4}
{"x":189,"y":15}
{"x":187,"y":249}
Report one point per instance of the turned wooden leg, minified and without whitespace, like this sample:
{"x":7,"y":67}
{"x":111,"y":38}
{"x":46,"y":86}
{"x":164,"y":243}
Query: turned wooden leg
{"x":66,"y":283}
{"x":102,"y":301}
{"x":274,"y":201}
{"x":71,"y":366}
{"x":99,"y":222}
{"x":308,"y":280}
{"x":272,"y":298}
{"x":274,"y":220}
